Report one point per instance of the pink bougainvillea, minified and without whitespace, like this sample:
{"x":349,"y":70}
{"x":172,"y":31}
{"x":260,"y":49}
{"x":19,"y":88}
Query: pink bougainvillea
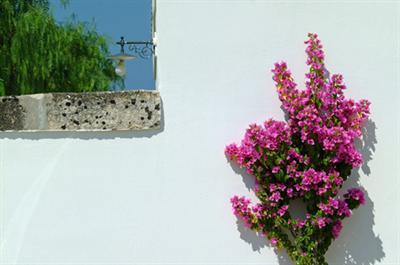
{"x":308,"y":157}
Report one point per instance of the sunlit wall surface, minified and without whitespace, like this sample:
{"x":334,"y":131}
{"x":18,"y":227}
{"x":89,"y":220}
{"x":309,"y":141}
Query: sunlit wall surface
{"x":162,"y":197}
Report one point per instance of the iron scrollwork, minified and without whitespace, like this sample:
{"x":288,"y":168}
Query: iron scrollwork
{"x":144,"y":49}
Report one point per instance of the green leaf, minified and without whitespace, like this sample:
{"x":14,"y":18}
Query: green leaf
{"x":71,"y":57}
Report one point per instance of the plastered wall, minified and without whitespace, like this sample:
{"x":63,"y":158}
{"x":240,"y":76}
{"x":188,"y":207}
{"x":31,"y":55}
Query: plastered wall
{"x":162,"y":196}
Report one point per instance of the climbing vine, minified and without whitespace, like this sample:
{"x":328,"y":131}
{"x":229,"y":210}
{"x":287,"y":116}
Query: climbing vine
{"x":309,"y":157}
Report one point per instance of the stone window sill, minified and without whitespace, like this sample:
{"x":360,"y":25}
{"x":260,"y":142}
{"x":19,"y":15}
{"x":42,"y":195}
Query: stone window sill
{"x":95,"y":111}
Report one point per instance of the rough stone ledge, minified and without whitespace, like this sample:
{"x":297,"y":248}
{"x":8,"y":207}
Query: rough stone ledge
{"x":95,"y":111}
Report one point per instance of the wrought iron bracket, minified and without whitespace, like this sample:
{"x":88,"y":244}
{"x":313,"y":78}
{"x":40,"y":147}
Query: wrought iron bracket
{"x":144,"y":49}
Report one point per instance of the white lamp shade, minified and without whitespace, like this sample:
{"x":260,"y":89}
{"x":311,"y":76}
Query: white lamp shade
{"x":122,"y":56}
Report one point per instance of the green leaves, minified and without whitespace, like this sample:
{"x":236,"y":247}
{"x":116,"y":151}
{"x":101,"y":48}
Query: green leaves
{"x":2,"y":90}
{"x":344,"y":170}
{"x":39,"y":55}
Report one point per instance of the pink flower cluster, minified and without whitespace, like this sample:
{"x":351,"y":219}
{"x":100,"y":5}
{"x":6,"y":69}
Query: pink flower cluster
{"x":309,"y":157}
{"x":270,"y":136}
{"x":242,"y":209}
{"x":321,"y":113}
{"x":336,"y":228}
{"x":355,"y":195}
{"x":335,"y":207}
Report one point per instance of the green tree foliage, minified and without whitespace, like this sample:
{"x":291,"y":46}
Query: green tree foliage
{"x":38,"y":55}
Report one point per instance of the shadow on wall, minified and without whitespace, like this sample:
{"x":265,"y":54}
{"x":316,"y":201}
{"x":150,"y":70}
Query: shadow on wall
{"x":357,"y":244}
{"x":86,"y":135}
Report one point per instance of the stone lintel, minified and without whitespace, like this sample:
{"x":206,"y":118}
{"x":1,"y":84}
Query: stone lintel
{"x":104,"y":111}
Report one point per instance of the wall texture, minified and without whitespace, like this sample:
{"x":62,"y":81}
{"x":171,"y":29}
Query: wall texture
{"x":96,"y":111}
{"x":162,"y":196}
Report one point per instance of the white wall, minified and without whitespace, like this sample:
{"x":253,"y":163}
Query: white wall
{"x":163,"y":197}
